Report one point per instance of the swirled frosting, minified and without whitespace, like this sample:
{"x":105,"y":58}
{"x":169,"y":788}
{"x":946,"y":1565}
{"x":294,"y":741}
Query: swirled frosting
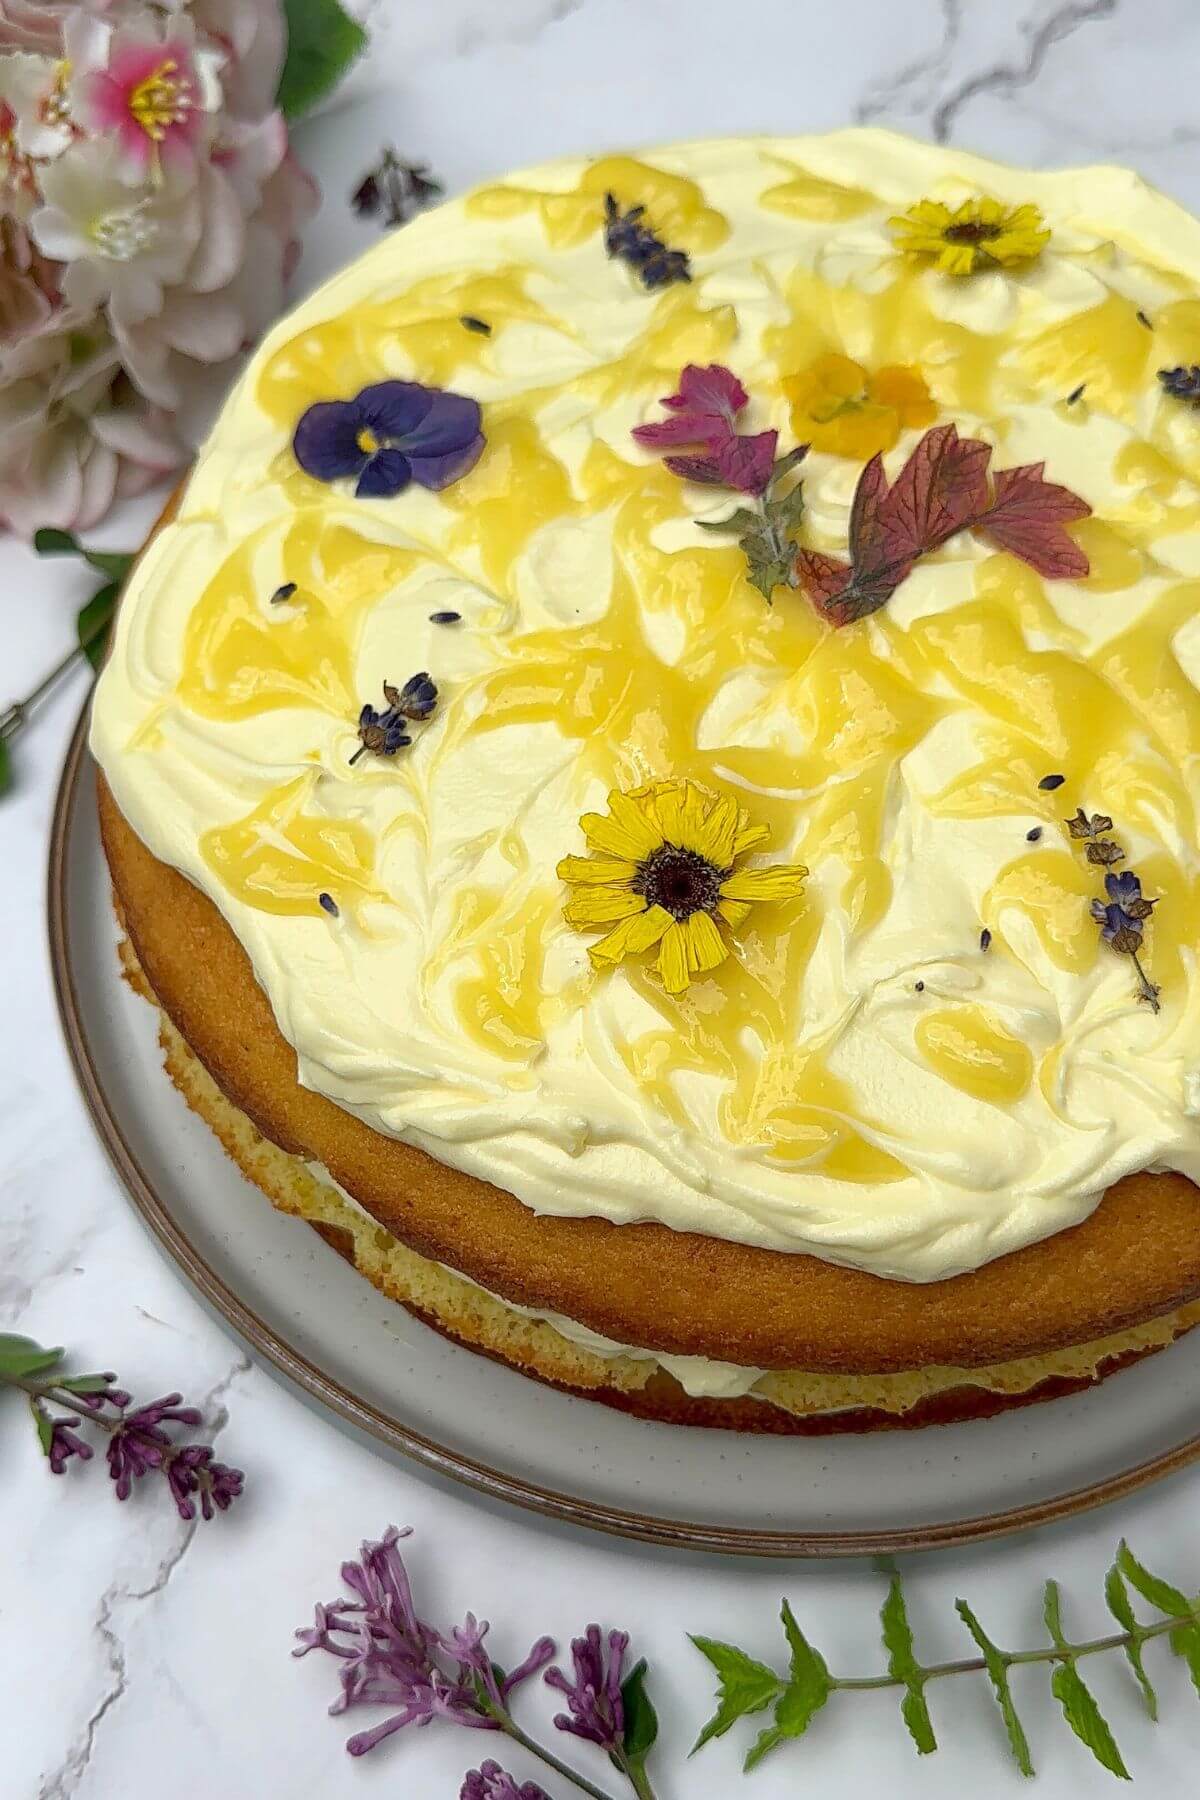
{"x":863,"y":1080}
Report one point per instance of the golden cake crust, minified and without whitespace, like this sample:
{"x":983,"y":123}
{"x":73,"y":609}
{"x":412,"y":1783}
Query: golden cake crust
{"x":537,"y":1351}
{"x":1136,"y":1257}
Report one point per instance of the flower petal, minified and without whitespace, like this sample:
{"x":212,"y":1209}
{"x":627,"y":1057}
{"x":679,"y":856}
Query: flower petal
{"x":749,"y":836}
{"x":715,"y":836}
{"x":387,"y":472}
{"x":326,"y":440}
{"x":783,"y":882}
{"x":394,"y":409}
{"x":673,"y":960}
{"x":596,"y":871}
{"x":602,"y":906}
{"x":706,"y":948}
{"x":451,"y":423}
{"x":437,"y":472}
{"x":711,"y":390}
{"x":734,"y":912}
{"x":639,"y":932}
{"x":630,"y":830}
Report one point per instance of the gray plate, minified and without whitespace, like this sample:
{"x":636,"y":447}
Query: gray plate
{"x":298,"y":1305}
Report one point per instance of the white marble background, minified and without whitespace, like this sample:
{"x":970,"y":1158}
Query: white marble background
{"x":140,"y":1658}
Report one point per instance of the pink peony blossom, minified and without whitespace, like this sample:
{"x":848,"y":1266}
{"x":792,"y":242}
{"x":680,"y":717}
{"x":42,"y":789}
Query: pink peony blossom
{"x":150,"y":215}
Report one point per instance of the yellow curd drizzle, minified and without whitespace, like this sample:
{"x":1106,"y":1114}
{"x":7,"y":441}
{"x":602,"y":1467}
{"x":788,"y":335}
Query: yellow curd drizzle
{"x":815,"y":756}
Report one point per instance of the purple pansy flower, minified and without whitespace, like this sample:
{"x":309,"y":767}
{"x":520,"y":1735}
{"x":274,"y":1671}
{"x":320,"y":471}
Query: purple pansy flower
{"x":389,"y":435}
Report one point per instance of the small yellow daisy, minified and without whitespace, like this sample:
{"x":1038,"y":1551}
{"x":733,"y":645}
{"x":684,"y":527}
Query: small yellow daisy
{"x":977,"y":233}
{"x":663,"y":872}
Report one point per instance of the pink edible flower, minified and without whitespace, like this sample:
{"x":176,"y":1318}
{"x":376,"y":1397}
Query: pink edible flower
{"x":150,"y":96}
{"x":705,"y":413}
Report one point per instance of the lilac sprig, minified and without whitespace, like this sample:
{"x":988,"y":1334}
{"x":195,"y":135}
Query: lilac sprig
{"x":389,"y":1656}
{"x":139,"y":1441}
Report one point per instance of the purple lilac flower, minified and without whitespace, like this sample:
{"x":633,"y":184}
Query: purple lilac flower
{"x":64,"y":1444}
{"x":389,"y":435}
{"x":594,"y":1706}
{"x":491,"y":1782}
{"x":139,"y":1444}
{"x":388,"y":1656}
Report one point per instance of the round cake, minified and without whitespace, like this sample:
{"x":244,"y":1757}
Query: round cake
{"x":651,"y":773}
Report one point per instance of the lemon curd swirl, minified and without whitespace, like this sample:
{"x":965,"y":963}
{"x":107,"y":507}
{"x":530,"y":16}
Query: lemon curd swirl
{"x":861,"y":1080}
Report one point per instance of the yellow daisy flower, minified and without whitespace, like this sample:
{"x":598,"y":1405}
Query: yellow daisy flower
{"x":663,"y":872}
{"x":840,"y":408}
{"x":975,"y":234}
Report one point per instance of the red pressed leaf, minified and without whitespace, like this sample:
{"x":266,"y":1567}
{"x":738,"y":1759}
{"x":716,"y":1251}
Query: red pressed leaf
{"x":747,"y":463}
{"x":940,"y":489}
{"x":1027,"y":518}
{"x":867,"y":537}
{"x":822,"y":577}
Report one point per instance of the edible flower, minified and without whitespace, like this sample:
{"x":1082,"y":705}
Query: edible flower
{"x":704,"y":413}
{"x":1122,"y":914}
{"x":838,"y":407}
{"x":630,"y":239}
{"x":391,"y":434}
{"x":1182,"y":384}
{"x":663,"y":872}
{"x":978,"y":234}
{"x":383,"y":733}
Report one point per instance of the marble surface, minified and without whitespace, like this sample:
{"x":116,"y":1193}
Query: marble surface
{"x":138,"y":1656}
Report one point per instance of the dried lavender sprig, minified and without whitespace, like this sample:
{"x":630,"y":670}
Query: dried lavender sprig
{"x":138,"y":1442}
{"x":388,"y":1655}
{"x":1122,"y":916}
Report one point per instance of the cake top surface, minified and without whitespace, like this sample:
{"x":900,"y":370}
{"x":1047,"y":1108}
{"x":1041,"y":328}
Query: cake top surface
{"x":824,"y":967}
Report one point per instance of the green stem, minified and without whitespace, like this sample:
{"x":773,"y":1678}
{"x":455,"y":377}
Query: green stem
{"x":635,"y":1774}
{"x":513,"y":1730}
{"x":975,"y":1665}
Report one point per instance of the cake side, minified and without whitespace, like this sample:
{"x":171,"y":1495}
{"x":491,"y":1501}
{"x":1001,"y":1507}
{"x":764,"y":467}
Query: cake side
{"x":1135,"y":1259}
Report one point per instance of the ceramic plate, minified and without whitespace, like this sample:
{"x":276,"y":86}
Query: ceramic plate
{"x":298,"y":1305}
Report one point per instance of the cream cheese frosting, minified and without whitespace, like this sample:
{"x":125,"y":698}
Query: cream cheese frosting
{"x":863,"y":1081}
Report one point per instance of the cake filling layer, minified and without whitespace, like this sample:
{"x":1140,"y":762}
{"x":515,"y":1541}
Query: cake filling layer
{"x":933,"y":1057}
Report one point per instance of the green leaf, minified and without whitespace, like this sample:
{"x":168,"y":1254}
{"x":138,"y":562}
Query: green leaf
{"x":44,"y":1424}
{"x":743,"y":519}
{"x":807,"y":1691}
{"x":1186,"y":1643}
{"x":1159,"y":1593}
{"x":746,"y":1687}
{"x":21,"y":1357}
{"x":997,"y":1669}
{"x":84,"y":1384}
{"x":323,"y":40}
{"x":903,"y":1666}
{"x":5,"y":767}
{"x":116,"y":564}
{"x":49,"y":541}
{"x":94,"y":621}
{"x":641,"y":1720}
{"x":1085,"y":1718}
{"x":1069,"y":1689}
{"x":1117,"y":1596}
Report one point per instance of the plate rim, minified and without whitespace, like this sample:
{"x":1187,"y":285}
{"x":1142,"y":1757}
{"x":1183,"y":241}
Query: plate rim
{"x":272,"y":1347}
